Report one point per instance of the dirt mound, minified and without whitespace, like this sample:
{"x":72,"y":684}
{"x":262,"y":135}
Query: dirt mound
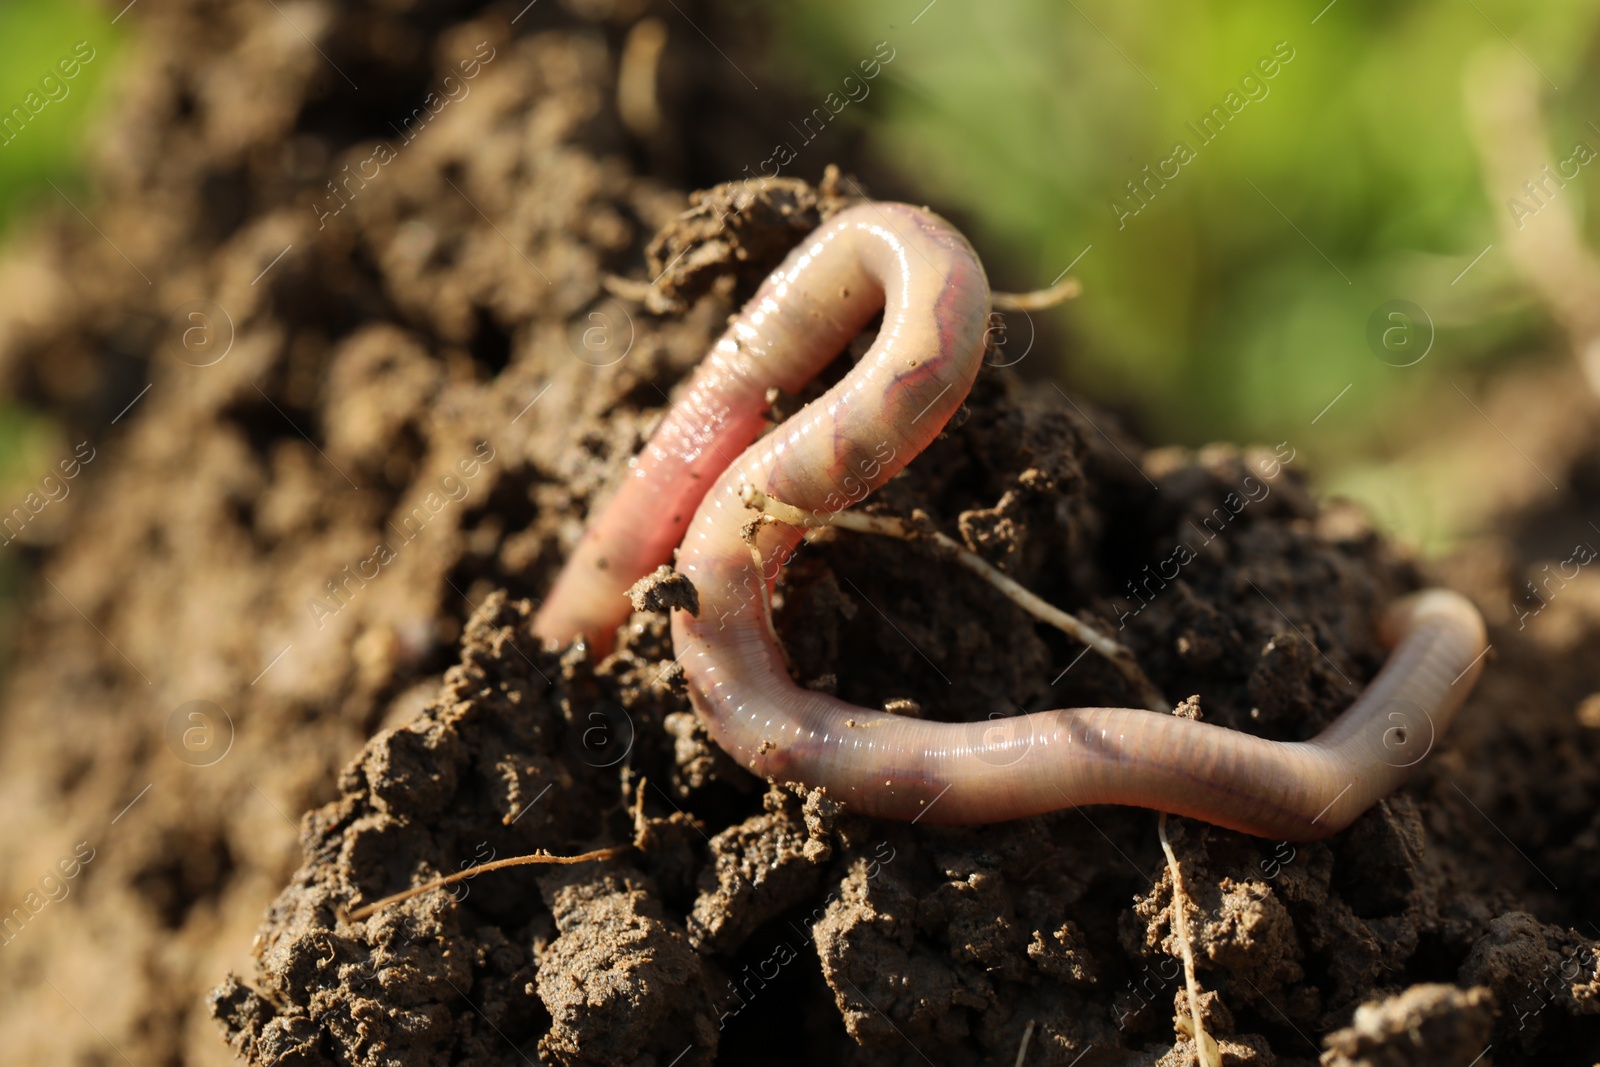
{"x":368,"y":289}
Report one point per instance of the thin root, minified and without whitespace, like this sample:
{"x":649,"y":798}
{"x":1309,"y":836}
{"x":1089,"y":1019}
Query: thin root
{"x":1027,"y":1035}
{"x":1205,"y":1047}
{"x":1120,"y":656}
{"x":1039,"y":299}
{"x":637,"y":74}
{"x":483,"y":868}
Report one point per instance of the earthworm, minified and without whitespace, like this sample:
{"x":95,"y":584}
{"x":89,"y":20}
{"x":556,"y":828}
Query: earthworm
{"x":849,"y":442}
{"x":868,"y":257}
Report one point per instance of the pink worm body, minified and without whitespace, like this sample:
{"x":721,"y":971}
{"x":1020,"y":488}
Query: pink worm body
{"x":849,"y":442}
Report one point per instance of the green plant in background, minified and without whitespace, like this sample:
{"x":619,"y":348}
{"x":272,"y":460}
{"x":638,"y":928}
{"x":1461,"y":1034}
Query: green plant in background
{"x":54,"y":60}
{"x":1248,"y":185}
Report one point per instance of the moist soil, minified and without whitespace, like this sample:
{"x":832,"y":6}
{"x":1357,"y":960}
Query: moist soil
{"x":273,"y":664}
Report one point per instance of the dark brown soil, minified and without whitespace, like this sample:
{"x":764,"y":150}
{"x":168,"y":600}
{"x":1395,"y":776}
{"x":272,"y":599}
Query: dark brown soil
{"x":336,"y":534}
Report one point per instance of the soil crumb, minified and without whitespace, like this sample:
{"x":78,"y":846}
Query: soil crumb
{"x":1426,"y":1026}
{"x":664,"y":590}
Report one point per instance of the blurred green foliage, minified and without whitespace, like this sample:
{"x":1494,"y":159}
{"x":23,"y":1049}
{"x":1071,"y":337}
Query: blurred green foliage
{"x":1235,"y":303}
{"x":34,"y":36}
